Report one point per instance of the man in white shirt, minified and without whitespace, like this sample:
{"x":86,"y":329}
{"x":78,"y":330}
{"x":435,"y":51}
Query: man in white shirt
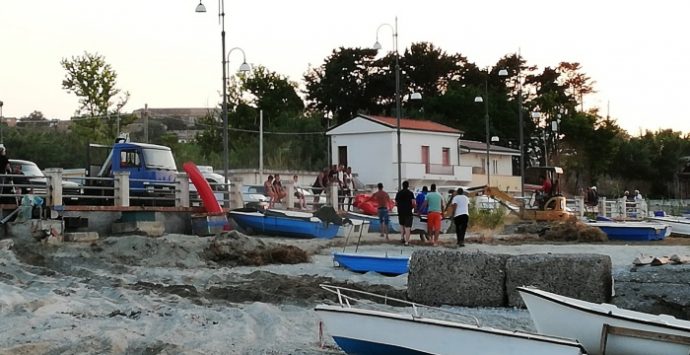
{"x":461,"y":215}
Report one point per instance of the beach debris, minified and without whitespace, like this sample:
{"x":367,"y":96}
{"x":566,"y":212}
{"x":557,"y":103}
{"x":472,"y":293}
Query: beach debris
{"x":235,"y":249}
{"x":643,"y":260}
{"x":661,"y":260}
{"x":573,"y":230}
{"x":6,"y":244}
{"x":680,"y":259}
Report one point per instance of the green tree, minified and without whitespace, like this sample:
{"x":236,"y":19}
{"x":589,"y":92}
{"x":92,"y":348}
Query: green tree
{"x":272,"y":93}
{"x":339,"y":85}
{"x":34,"y":116}
{"x":93,"y":81}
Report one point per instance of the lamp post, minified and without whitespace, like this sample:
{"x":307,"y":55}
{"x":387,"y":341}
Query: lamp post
{"x":377,"y":46}
{"x":224,"y":62}
{"x":485,"y":100}
{"x":2,"y":139}
{"x":329,"y":119}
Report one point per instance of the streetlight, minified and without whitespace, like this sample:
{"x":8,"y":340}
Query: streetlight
{"x":377,"y":46}
{"x":485,"y":100}
{"x":555,"y":126}
{"x":329,"y":118}
{"x":224,"y":62}
{"x":2,"y":139}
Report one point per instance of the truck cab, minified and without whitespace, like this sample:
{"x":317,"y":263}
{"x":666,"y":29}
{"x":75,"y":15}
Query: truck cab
{"x":152,"y":169}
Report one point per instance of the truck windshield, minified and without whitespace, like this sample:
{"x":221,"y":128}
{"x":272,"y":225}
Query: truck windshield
{"x":159,"y":159}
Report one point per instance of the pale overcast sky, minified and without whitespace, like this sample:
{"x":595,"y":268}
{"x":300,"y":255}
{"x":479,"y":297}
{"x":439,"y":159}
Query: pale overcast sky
{"x":167,"y":55}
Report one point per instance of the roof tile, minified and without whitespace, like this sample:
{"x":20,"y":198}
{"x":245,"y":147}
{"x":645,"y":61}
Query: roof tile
{"x":408,"y":123}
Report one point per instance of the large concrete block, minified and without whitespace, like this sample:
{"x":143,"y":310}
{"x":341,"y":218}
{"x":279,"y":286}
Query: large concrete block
{"x":81,"y":237}
{"x":583,"y":276}
{"x":457,"y":278}
{"x":149,"y":229}
{"x":655,"y":289}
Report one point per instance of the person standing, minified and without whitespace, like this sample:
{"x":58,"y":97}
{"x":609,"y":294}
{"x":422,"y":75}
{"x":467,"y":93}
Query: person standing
{"x":382,"y":200}
{"x":405,"y":201}
{"x":460,"y":205}
{"x":420,"y":200}
{"x":317,"y":187}
{"x":298,"y":193}
{"x":349,"y":186}
{"x":434,"y":202}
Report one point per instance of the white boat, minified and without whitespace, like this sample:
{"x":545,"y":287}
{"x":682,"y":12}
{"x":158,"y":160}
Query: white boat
{"x":679,"y":225}
{"x":365,"y":331}
{"x":604,"y":328}
{"x":419,"y":224}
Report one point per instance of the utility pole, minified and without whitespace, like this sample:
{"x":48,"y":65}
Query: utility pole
{"x":146,"y":123}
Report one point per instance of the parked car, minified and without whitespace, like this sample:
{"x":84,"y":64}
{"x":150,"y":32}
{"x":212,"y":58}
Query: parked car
{"x":309,"y":196}
{"x":37,"y":183}
{"x":254,"y":196}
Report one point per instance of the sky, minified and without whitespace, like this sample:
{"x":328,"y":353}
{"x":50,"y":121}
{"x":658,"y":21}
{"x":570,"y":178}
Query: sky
{"x":166,"y":55}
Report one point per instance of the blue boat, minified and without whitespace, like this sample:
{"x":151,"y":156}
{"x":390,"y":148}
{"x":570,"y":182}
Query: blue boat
{"x":632,"y":231}
{"x":284,"y":223}
{"x":383,"y":264}
{"x":374,"y":224}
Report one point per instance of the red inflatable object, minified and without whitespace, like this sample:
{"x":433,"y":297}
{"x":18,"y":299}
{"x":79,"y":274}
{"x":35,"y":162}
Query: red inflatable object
{"x":208,"y":200}
{"x":368,"y":207}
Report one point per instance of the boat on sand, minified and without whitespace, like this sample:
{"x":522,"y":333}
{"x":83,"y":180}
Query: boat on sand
{"x":604,"y":328}
{"x":361,"y":330}
{"x":322,"y":224}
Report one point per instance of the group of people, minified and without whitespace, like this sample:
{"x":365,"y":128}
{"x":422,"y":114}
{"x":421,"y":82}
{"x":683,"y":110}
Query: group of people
{"x":342,"y":177}
{"x":273,"y":188}
{"x":336,"y":174}
{"x":429,"y":202}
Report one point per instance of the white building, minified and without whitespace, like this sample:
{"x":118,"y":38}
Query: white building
{"x":473,"y":154}
{"x":431,"y":153}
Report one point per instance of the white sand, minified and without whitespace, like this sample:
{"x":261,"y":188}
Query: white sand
{"x":43,"y":311}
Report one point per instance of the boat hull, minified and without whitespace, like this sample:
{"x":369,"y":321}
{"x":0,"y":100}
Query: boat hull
{"x":363,"y":331}
{"x":256,"y":222}
{"x":375,"y":224}
{"x":388,"y":265}
{"x":419,"y":224}
{"x":679,"y":225}
{"x":563,"y":316}
{"x":633,"y":231}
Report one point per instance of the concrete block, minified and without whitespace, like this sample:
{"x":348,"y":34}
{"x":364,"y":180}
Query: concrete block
{"x":149,"y":229}
{"x":81,"y":237}
{"x":457,"y":278}
{"x":654,"y":289}
{"x":582,"y":276}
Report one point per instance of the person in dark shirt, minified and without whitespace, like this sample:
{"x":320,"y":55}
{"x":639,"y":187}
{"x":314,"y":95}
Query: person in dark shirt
{"x":405,"y":201}
{"x":420,"y":201}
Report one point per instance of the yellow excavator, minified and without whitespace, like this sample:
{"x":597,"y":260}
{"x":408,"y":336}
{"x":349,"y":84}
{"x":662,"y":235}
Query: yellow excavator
{"x":541,"y":207}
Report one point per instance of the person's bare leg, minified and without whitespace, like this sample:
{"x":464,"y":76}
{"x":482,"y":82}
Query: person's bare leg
{"x":384,"y":229}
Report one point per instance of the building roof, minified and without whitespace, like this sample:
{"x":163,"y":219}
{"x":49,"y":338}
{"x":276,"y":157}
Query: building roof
{"x":481,"y":146}
{"x":412,"y":124}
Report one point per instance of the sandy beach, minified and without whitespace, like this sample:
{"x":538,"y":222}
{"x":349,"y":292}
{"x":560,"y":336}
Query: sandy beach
{"x":137,"y":295}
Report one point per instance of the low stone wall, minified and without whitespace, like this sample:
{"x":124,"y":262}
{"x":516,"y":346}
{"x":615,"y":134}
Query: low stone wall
{"x":477,"y":279}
